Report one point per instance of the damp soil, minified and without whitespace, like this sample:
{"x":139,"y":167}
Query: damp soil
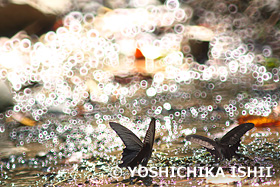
{"x":65,"y":158}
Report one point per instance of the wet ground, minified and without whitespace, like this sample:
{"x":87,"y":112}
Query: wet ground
{"x":84,"y":155}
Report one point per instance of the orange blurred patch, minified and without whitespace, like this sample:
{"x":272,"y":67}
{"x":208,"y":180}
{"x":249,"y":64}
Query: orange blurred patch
{"x":259,"y":121}
{"x":19,"y":117}
{"x":57,"y":24}
{"x":28,"y":122}
{"x":138,"y":54}
{"x":140,"y":66}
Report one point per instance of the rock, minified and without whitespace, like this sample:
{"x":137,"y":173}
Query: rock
{"x":14,"y":18}
{"x":227,"y":179}
{"x":200,"y":33}
{"x":34,"y":17}
{"x":6,"y":99}
{"x":7,"y":148}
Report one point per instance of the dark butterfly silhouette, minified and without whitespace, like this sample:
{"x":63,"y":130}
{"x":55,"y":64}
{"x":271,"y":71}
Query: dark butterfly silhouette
{"x":136,"y":151}
{"x":225,"y":147}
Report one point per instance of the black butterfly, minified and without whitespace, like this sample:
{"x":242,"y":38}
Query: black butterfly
{"x":225,"y":147}
{"x":136,"y":151}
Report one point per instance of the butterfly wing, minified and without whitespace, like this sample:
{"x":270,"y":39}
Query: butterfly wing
{"x":150,"y":134}
{"x":149,"y":141}
{"x":203,"y":141}
{"x":127,"y":157}
{"x":209,"y":144}
{"x":131,"y":141}
{"x":234,"y":135}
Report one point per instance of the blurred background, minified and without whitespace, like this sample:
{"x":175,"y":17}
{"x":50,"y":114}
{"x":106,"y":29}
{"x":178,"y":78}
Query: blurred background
{"x":69,"y":67}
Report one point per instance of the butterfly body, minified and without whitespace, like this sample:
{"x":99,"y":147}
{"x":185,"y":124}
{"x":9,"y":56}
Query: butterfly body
{"x":227,"y":151}
{"x":226,"y":147}
{"x":136,"y":151}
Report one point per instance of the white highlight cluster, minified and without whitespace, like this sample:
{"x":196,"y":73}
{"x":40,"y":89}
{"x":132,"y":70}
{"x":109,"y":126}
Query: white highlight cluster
{"x":82,"y":59}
